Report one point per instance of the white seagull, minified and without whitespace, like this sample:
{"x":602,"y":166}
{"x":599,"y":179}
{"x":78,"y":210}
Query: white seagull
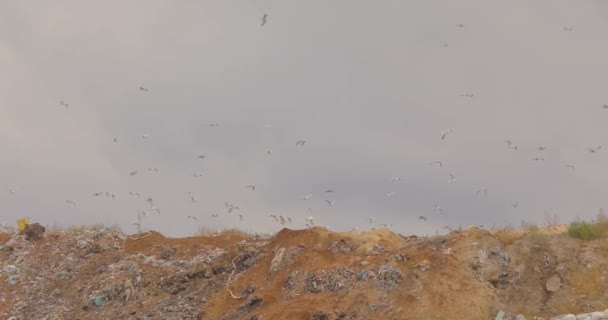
{"x":63,"y":103}
{"x":330,"y":203}
{"x":570,"y":165}
{"x":390,"y":194}
{"x":307,"y":197}
{"x":445,"y":133}
{"x":70,"y":202}
{"x":436,"y":162}
{"x":141,"y":88}
{"x":437,"y":208}
{"x":483,"y":190}
{"x":263,"y":20}
{"x":452,"y":179}
{"x":231,"y":207}
{"x":594,"y":150}
{"x":300,"y":143}
{"x":192,"y":217}
{"x":250,"y":187}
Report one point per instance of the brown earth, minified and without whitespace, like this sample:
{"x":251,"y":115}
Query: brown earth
{"x":301,"y":274}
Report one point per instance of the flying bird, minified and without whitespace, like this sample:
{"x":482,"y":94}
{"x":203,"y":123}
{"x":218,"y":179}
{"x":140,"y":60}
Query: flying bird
{"x":371,"y":220}
{"x":436,"y":162}
{"x":11,"y":191}
{"x":115,"y":140}
{"x":214,"y":124}
{"x":274,"y":217}
{"x":133,"y":173}
{"x":250,"y":187}
{"x":192,"y":217}
{"x":541,"y":148}
{"x":307,"y":197}
{"x":329,"y":191}
{"x":240,"y":217}
{"x":192,"y":198}
{"x":605,"y":106}
{"x":437,"y":208}
{"x":395,"y":179}
{"x":63,"y":103}
{"x":269,"y":152}
{"x":97,"y":194}
{"x":135,"y":194}
{"x":330,"y":203}
{"x":201,"y":156}
{"x":445,"y":133}
{"x":153,"y":170}
{"x":144,"y":89}
{"x":310,"y":221}
{"x":461,"y":26}
{"x":452,"y":179}
{"x":197,"y":174}
{"x":468,"y":95}
{"x":515,"y":204}
{"x":231,"y":207}
{"x":571,"y":166}
{"x":214,"y":215}
{"x":300,"y":143}
{"x":594,"y":150}
{"x":568,"y":29}
{"x":390,"y":194}
{"x":538,"y":159}
{"x":483,"y":190}
{"x":422,"y":218}
{"x":263,"y":19}
{"x":510,"y":145}
{"x":70,"y":202}
{"x":145,"y":136}
{"x":155,"y":209}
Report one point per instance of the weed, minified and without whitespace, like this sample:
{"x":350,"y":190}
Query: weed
{"x":584,"y":230}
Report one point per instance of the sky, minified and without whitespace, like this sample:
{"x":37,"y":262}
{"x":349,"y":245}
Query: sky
{"x":369,"y":85}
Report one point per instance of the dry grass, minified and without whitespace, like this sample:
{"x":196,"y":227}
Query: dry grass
{"x":587,"y":282}
{"x":208,"y":232}
{"x":81,"y":228}
{"x":508,"y":235}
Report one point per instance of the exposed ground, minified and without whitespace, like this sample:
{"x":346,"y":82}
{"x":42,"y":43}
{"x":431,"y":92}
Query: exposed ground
{"x":99,"y":273}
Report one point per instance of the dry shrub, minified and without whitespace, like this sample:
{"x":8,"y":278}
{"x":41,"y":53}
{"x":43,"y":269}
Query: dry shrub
{"x":535,"y":235}
{"x":507,"y":235}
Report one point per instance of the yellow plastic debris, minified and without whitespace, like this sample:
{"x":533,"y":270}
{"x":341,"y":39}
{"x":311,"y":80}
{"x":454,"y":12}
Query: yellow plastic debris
{"x":21,"y":223}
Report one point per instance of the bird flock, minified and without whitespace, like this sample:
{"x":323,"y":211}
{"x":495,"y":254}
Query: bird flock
{"x":283,"y":219}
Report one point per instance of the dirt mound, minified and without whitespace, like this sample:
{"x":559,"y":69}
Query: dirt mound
{"x":99,"y":273}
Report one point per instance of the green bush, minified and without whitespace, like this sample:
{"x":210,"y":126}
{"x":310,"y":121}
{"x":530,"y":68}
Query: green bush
{"x":582,"y":230}
{"x":589,"y":230}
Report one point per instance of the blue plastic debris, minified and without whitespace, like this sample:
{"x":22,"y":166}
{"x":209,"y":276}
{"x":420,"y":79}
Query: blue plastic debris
{"x":362,"y":275}
{"x":98,"y":301}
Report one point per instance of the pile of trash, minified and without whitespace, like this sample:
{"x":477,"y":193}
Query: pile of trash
{"x":99,"y":272}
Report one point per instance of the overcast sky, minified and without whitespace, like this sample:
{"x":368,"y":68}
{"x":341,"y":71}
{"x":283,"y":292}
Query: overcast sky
{"x":370,"y":86}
